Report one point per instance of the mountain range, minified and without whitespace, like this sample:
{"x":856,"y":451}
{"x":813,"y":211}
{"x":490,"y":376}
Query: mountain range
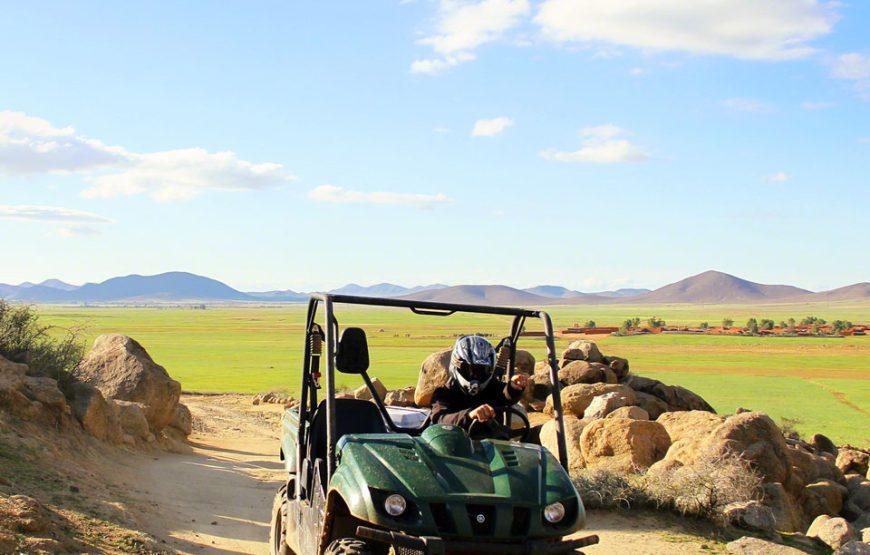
{"x":711,"y":287}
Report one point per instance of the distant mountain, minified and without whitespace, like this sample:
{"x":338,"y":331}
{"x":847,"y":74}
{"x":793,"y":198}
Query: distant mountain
{"x":285,"y":296}
{"x":383,"y":289}
{"x":715,"y":288}
{"x":170,"y":286}
{"x":482,"y":294}
{"x":553,"y":292}
{"x":58,"y":284}
{"x":620,"y":293}
{"x":855,"y":292}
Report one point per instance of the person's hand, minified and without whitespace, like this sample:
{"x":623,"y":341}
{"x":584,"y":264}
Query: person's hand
{"x":519,"y":381}
{"x":482,"y":413}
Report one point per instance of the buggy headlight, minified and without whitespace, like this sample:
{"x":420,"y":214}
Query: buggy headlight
{"x":554,"y":512}
{"x":395,"y":504}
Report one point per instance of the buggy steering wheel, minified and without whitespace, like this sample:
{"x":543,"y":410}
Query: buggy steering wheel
{"x":494,"y":429}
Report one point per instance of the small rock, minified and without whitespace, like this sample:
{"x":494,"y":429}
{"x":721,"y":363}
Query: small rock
{"x":835,"y":532}
{"x":74,"y":489}
{"x":750,"y":515}
{"x":854,"y":547}
{"x":755,"y":546}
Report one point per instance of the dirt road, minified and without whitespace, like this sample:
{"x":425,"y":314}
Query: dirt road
{"x":216,"y":498}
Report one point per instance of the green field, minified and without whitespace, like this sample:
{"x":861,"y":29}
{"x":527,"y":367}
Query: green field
{"x":823,"y":385}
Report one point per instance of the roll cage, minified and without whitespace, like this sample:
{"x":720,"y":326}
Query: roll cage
{"x":320,"y":342}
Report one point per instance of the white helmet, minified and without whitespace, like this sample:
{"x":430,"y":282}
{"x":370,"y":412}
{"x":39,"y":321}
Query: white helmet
{"x":472,"y":363}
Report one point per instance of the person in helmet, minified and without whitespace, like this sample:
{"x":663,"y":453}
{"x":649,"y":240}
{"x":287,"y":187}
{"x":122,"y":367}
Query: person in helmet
{"x":473,"y":390}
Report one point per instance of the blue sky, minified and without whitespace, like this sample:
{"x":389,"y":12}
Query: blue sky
{"x":309,"y":144}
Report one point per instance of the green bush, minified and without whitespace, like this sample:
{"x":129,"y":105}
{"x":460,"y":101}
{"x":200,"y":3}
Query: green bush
{"x":24,"y":339}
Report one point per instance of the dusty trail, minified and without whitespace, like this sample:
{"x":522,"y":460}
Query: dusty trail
{"x":216,"y":498}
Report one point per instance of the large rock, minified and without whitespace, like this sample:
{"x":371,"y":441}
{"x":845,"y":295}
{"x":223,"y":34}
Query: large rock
{"x":525,"y":362}
{"x":619,"y":366}
{"x":688,"y":431}
{"x":834,"y":532}
{"x":573,"y":428}
{"x":182,"y":420}
{"x":750,"y":515}
{"x":580,"y":371}
{"x":635,"y":413}
{"x":364,"y":393}
{"x":809,"y":467}
{"x":757,"y":546}
{"x":92,"y":410}
{"x":854,"y":547}
{"x":400,"y":397}
{"x":677,"y":397}
{"x":786,"y":513}
{"x":858,"y":495}
{"x":853,"y":461}
{"x":622,"y":444}
{"x":121,"y":369}
{"x":754,"y":437}
{"x":654,"y":406}
{"x":131,"y":416}
{"x":575,"y":398}
{"x":45,"y":391}
{"x":12,"y":380}
{"x":433,"y":374}
{"x":582,"y":349}
{"x":603,"y":405}
{"x":823,"y":498}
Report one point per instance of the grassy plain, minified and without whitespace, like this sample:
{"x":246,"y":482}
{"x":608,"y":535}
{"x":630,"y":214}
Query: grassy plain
{"x":819,"y":385}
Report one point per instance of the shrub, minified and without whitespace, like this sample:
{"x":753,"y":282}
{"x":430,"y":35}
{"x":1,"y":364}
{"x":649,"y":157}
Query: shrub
{"x":752,"y":326}
{"x":589,"y":324}
{"x":727,"y":322}
{"x":812,"y":320}
{"x":704,"y":326}
{"x":24,"y":339}
{"x":766,"y":324}
{"x":838,"y":326}
{"x":606,"y":489}
{"x":655,"y":322}
{"x":704,"y":488}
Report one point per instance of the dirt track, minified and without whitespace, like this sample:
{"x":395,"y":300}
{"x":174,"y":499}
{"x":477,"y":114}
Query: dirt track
{"x":217,"y":498}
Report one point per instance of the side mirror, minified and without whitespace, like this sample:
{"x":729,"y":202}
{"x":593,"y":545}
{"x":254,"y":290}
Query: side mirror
{"x":353,"y":352}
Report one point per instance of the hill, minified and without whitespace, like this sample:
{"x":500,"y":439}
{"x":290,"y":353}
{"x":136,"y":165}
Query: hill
{"x":855,"y":292}
{"x":717,"y":287}
{"x":383,"y":289}
{"x":620,"y":293}
{"x":482,"y":294}
{"x":283,"y":296}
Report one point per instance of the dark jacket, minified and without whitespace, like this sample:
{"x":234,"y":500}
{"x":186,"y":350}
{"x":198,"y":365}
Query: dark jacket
{"x":451,"y":405}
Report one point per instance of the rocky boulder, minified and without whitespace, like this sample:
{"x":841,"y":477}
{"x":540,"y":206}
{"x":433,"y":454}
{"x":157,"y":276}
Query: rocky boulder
{"x":12,"y":383}
{"x":635,"y":413}
{"x":182,"y":420}
{"x":823,"y":497}
{"x":131,"y":416}
{"x":754,"y":437}
{"x":582,"y":349}
{"x":676,"y":397}
{"x":750,"y":515}
{"x":94,"y":412}
{"x":400,"y":397}
{"x":786,"y":513}
{"x":433,"y":374}
{"x":622,"y":444}
{"x":121,"y":369}
{"x":525,"y":362}
{"x":603,"y":405}
{"x":575,"y":398}
{"x":618,"y":365}
{"x":580,"y":371}
{"x":757,"y":546}
{"x":654,"y":406}
{"x":45,"y":391}
{"x":688,"y":431}
{"x":854,"y":547}
{"x":853,"y":461}
{"x":573,"y":429}
{"x":363,"y":393}
{"x":834,"y":532}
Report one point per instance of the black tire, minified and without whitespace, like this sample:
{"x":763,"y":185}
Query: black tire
{"x":277,"y":540}
{"x":348,"y":546}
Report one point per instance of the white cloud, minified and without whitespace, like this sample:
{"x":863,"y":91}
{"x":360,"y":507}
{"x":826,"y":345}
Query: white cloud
{"x":463,"y":26}
{"x":602,"y":144}
{"x":183,"y":174}
{"x":340,"y":195}
{"x":748,"y":29}
{"x":33,"y":145}
{"x":817,"y":105}
{"x":854,"y":67}
{"x":491,"y":127}
{"x":745,"y":105}
{"x":778,"y":177}
{"x":432,"y":66}
{"x":50,"y":214}
{"x":73,"y":231}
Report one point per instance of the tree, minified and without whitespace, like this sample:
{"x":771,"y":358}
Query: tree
{"x":782,"y":325}
{"x":791,"y":325}
{"x":839,"y":326}
{"x":752,"y":326}
{"x":811,"y":320}
{"x":635,"y":322}
{"x":655,"y":322}
{"x":727,"y":322}
{"x":766,"y":324}
{"x":589,"y":324}
{"x":704,"y":326}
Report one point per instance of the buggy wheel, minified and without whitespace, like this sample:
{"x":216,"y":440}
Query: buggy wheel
{"x":348,"y":546}
{"x":278,"y":529}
